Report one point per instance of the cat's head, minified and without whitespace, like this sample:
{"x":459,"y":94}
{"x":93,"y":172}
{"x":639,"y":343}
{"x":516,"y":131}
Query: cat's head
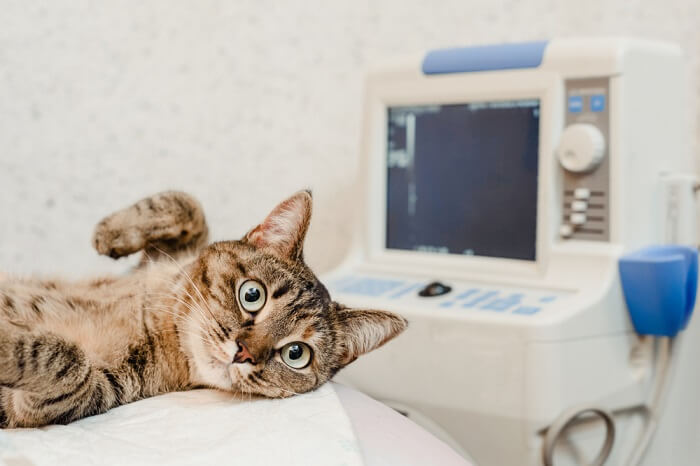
{"x":260,"y":321}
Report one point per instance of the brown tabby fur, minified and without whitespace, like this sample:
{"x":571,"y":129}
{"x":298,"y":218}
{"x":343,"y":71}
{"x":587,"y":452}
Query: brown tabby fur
{"x":70,"y":350}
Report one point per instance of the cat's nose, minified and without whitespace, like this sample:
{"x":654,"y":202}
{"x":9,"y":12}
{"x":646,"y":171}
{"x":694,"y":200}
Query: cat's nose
{"x":243,"y":355}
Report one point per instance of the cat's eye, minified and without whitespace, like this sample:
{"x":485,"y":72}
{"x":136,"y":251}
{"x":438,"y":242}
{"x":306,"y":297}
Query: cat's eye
{"x":251,"y":294}
{"x":296,"y":355}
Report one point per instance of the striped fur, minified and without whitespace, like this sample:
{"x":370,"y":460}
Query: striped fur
{"x":75,"y":349}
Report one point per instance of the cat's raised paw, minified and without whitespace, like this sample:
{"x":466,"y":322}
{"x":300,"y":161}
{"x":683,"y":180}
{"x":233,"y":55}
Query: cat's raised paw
{"x":167,"y":223}
{"x":116,"y":240}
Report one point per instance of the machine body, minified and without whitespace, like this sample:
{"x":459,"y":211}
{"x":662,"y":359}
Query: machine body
{"x":503,"y":185}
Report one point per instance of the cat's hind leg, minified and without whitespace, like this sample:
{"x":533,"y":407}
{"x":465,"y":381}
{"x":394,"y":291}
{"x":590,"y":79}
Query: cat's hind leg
{"x":171,"y":223}
{"x":47,"y":380}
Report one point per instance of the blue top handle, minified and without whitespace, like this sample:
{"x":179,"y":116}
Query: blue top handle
{"x":660,"y":284}
{"x":485,"y":58}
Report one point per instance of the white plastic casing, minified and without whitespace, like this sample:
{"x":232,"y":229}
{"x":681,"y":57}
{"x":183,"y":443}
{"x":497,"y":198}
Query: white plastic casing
{"x":493,"y":381}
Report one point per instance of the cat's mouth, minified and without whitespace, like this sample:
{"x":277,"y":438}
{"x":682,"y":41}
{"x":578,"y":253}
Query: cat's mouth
{"x":223,"y":353}
{"x":236,"y":372}
{"x":239,"y":372}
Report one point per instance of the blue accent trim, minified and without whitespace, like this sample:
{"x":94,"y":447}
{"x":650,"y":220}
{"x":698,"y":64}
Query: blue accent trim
{"x":548,"y":299}
{"x":484,"y":58}
{"x":660,"y":285}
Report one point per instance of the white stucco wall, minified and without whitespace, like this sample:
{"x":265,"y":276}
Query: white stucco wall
{"x":239,"y":102}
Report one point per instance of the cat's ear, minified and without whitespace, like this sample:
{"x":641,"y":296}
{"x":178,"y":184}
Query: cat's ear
{"x":282,"y":232}
{"x":361,"y":331}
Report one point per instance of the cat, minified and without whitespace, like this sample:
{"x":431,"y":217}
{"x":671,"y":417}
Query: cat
{"x":245,"y":316}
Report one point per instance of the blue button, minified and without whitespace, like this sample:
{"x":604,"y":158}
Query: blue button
{"x":481,"y":298}
{"x":575,"y":104}
{"x":498,"y":305}
{"x":403,"y":292}
{"x":467,"y":294}
{"x":502,"y":304}
{"x":371,"y":287}
{"x":527,"y":310}
{"x":343,"y":281}
{"x":598,"y":103}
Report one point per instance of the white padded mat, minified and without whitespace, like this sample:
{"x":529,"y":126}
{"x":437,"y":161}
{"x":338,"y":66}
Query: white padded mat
{"x":197,"y":427}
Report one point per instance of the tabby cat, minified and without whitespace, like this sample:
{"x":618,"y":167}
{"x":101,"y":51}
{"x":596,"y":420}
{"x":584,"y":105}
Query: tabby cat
{"x":244,"y":316}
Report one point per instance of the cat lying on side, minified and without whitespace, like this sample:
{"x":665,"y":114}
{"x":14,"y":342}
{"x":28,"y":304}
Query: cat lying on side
{"x":244,"y":316}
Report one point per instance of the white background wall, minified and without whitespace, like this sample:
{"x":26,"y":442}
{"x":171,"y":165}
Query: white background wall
{"x":240,"y":102}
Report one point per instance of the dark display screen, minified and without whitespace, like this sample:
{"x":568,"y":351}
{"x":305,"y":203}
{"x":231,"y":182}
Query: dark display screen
{"x":462,"y":179}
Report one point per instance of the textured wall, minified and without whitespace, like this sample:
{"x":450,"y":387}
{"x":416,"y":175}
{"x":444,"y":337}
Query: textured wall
{"x":240,"y":102}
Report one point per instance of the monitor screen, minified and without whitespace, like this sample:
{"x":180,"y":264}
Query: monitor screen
{"x":462,"y":178}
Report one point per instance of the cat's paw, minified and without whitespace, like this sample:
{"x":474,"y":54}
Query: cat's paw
{"x":172,"y":220}
{"x":115,"y":237}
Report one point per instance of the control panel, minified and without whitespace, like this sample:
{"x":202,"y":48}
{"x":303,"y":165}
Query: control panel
{"x":584,"y":155}
{"x":458,"y":296}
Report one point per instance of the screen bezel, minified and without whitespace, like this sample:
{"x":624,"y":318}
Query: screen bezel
{"x":385,"y":91}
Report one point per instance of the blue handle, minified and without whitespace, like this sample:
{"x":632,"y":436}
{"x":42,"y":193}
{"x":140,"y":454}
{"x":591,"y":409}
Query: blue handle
{"x":660,"y":284}
{"x":485,"y":58}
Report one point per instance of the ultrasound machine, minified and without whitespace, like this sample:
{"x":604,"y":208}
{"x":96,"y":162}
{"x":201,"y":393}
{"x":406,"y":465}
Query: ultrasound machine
{"x":530,"y":209}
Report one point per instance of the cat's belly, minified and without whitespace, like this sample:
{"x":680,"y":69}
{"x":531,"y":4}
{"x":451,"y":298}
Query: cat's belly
{"x":104,"y":338}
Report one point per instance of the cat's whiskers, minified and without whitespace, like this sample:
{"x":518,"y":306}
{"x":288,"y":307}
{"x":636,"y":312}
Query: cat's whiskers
{"x":183,"y":332}
{"x":194,"y":307}
{"x":162,"y":309}
{"x":194,"y":301}
{"x":288,"y":391}
{"x":182,"y":269}
{"x":201,"y":335}
{"x":177,"y":289}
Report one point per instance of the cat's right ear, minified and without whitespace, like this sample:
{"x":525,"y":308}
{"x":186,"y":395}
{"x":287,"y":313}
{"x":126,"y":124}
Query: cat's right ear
{"x":362,"y":330}
{"x":282,"y":233}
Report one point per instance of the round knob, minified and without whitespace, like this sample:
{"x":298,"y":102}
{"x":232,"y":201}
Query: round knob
{"x":581,"y":148}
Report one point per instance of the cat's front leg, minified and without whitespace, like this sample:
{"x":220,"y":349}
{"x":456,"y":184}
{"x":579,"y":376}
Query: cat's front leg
{"x":46,"y":380}
{"x":166,"y":224}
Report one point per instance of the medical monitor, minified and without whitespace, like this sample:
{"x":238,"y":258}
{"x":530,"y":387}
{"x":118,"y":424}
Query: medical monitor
{"x":462,"y":178}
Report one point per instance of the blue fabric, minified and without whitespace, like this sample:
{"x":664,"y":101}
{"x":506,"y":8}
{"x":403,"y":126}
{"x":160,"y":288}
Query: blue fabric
{"x":660,"y":285}
{"x":484,"y":58}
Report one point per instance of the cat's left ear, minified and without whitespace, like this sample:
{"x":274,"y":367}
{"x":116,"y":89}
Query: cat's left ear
{"x":361,"y":331}
{"x":282,"y":232}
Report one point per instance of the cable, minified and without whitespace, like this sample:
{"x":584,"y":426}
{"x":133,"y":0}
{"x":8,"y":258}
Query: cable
{"x":657,"y":393}
{"x":567,"y":418}
{"x":663,"y":359}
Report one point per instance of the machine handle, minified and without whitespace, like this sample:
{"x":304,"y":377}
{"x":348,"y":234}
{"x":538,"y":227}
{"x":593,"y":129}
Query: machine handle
{"x":660,"y":285}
